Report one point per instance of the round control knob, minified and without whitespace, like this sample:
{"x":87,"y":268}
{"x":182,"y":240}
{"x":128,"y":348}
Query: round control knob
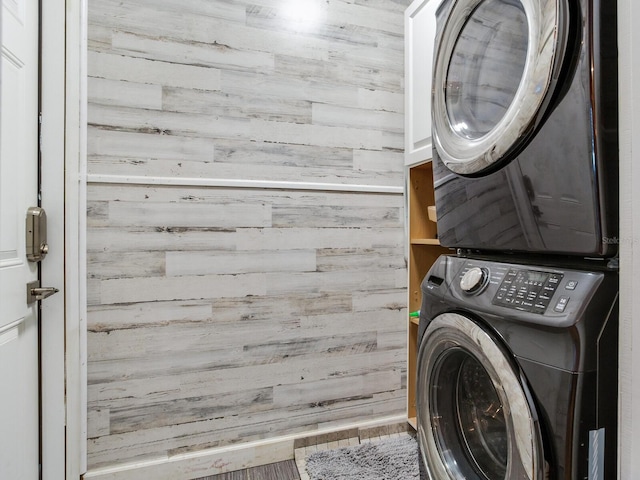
{"x":474,"y":279}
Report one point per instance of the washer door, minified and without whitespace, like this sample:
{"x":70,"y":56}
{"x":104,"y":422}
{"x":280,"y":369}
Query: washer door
{"x":475,"y":418}
{"x":494,"y":72}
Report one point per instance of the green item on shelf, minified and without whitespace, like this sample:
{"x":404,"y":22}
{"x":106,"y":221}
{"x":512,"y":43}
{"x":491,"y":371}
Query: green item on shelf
{"x":414,"y":314}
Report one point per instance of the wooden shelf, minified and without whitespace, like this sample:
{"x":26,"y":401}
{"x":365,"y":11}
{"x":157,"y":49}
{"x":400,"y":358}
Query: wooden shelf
{"x":425,"y":241}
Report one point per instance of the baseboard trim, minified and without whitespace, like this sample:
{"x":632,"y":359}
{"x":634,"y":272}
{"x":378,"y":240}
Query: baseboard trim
{"x":214,"y":461}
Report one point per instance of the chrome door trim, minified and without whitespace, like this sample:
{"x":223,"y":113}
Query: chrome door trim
{"x":451,"y":331}
{"x":468,"y":157}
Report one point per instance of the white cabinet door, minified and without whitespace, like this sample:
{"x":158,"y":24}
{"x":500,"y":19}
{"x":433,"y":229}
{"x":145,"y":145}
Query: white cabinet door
{"x":420,"y":30}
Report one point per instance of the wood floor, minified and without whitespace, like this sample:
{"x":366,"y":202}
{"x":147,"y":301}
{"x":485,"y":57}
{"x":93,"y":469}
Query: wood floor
{"x":276,"y":471}
{"x":296,"y":469}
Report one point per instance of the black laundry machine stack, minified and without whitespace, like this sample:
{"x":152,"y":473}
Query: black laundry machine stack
{"x":518,"y":336}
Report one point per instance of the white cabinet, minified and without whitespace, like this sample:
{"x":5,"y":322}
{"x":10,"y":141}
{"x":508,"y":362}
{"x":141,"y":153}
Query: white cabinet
{"x":420,"y":29}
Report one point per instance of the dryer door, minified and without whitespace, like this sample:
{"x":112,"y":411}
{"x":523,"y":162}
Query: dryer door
{"x":475,"y":415}
{"x":494,"y":70}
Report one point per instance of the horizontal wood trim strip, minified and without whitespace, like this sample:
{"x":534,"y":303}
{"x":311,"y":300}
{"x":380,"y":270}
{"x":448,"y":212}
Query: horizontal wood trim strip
{"x":240,"y":183}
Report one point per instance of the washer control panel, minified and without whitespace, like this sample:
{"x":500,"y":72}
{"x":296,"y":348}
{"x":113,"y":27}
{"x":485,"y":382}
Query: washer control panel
{"x":529,"y":290}
{"x":541,"y":294}
{"x":540,"y":290}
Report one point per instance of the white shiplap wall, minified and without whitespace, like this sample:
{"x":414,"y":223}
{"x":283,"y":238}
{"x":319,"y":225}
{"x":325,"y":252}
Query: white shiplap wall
{"x":245,"y":223}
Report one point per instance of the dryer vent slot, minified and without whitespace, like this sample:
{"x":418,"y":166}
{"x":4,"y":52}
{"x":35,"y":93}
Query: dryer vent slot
{"x":435,"y":280}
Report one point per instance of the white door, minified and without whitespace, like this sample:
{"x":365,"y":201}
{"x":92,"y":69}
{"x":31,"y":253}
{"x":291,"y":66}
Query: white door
{"x":19,"y":397}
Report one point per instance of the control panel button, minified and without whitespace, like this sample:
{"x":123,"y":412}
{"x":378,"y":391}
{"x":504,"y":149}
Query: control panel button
{"x":562,"y":304}
{"x":539,"y":308}
{"x":571,"y":285}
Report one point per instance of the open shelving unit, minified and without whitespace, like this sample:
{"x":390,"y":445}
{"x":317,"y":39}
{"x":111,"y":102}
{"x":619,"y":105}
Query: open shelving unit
{"x":423,"y":250}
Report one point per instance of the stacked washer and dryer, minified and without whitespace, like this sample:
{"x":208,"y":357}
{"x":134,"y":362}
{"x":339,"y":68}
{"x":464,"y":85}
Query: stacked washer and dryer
{"x":517,"y":362}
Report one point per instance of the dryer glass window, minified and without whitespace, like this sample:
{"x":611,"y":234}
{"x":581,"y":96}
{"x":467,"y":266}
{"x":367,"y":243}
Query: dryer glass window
{"x":486,"y":67}
{"x":473,"y":437}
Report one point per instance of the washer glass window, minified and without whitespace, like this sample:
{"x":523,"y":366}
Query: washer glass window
{"x":473,"y":434}
{"x":486,"y":67}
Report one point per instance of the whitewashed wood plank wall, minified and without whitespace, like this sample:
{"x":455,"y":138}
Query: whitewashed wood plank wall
{"x":222,"y":314}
